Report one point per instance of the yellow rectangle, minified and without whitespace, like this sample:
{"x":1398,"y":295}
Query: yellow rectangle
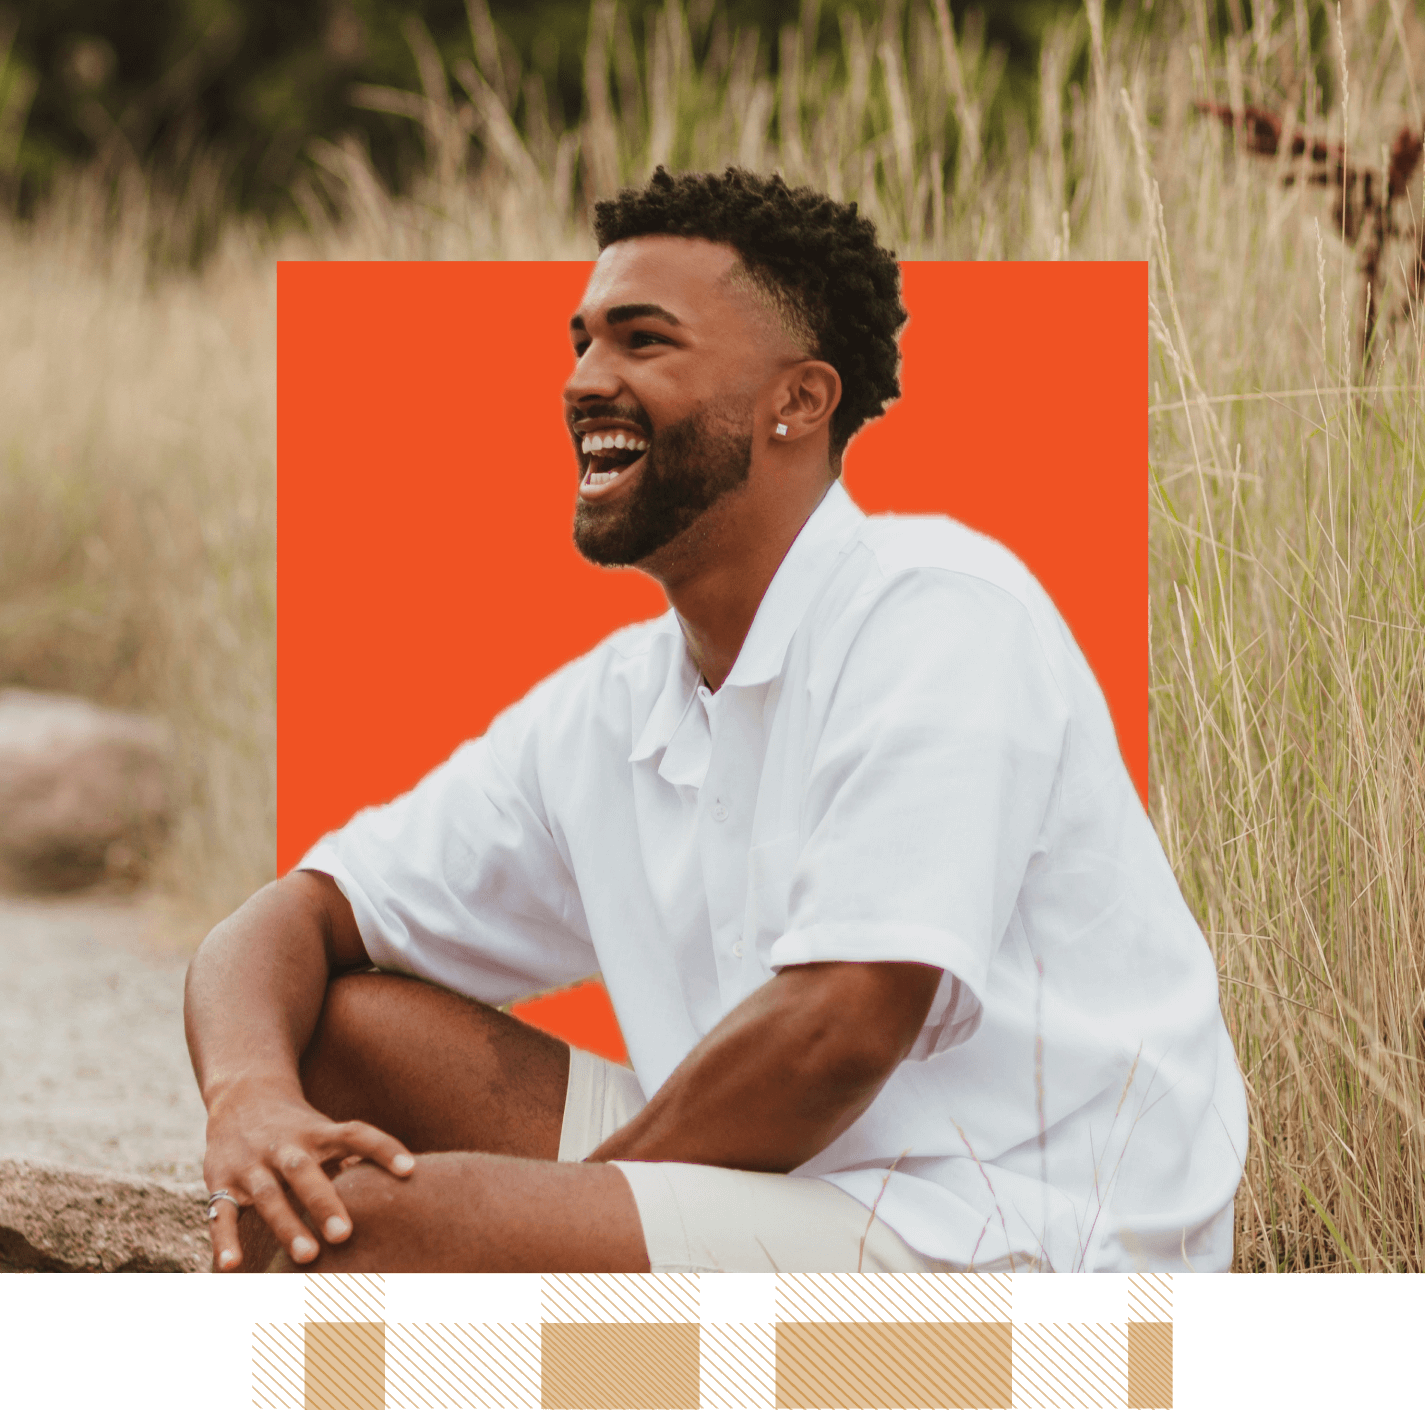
{"x":345,"y":1366}
{"x":893,"y":1365}
{"x":1150,"y":1365}
{"x":619,"y":1366}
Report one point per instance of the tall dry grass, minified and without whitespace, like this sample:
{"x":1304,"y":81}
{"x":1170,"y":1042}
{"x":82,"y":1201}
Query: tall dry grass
{"x":1288,"y":497}
{"x":137,"y":512}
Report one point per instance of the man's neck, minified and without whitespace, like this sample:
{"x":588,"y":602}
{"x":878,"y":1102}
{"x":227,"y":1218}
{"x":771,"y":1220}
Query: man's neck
{"x":717,"y":580}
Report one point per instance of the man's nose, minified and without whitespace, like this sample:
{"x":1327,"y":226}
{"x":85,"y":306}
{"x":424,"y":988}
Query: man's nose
{"x":595,"y":376}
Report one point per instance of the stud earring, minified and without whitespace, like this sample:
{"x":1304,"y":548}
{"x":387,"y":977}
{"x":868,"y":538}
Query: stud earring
{"x":781,"y":428}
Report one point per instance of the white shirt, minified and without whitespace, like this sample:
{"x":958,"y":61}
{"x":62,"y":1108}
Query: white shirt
{"x":910,"y":760}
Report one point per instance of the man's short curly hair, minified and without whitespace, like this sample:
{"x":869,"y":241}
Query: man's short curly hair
{"x":816,"y":259}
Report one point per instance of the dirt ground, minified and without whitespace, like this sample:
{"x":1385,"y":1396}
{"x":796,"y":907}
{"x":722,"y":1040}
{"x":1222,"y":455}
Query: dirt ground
{"x":93,"y":1067}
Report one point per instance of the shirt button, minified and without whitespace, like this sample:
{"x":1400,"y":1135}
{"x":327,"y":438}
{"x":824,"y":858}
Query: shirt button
{"x":737,"y":950}
{"x":719,"y":811}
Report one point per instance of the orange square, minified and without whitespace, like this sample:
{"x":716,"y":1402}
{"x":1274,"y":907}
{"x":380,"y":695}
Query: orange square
{"x":426,"y":573}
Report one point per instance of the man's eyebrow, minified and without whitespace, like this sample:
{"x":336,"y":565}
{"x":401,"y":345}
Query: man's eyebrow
{"x":624,"y":313}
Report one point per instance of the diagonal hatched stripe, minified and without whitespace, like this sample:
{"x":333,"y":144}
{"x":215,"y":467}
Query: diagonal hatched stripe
{"x":345,"y":1297}
{"x":277,"y":1366}
{"x":738,"y":1365}
{"x":345,"y":1366}
{"x":462,"y":1366}
{"x":1070,"y":1364}
{"x":1150,"y":1365}
{"x":619,"y":1366}
{"x":893,"y":1297}
{"x":620,"y":1297}
{"x":1150,"y":1297}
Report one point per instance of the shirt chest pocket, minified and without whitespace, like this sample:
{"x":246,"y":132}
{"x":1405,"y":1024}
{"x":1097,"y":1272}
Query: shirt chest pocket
{"x":770,"y":866}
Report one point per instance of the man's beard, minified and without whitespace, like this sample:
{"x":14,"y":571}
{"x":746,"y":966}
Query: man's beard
{"x":687,"y":468}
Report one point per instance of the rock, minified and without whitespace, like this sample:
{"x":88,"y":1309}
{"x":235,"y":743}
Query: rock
{"x":54,"y":1219}
{"x":83,"y":792}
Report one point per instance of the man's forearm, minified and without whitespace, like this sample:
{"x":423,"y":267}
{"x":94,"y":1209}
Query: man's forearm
{"x":254,"y":995}
{"x":255,"y":989}
{"x":786,"y":1072}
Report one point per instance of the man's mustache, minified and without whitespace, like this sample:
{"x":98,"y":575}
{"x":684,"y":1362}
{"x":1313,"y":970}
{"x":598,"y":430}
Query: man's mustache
{"x":610,"y":411}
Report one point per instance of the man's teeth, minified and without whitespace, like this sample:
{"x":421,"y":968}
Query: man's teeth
{"x":615,"y":440}
{"x":600,"y":477}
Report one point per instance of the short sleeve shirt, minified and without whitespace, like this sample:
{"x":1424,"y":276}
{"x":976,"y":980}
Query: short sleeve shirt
{"x":910,"y":760}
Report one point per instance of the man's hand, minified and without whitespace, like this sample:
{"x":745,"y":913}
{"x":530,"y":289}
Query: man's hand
{"x":787,"y":1071}
{"x":274,"y":1151}
{"x":254,"y":992}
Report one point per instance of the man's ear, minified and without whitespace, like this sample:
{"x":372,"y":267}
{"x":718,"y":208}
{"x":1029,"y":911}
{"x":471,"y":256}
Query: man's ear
{"x":807,"y":394}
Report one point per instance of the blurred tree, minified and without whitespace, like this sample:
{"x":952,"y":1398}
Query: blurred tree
{"x":249,"y":83}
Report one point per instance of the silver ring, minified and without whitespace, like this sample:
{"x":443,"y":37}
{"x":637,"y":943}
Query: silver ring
{"x":213,"y":1203}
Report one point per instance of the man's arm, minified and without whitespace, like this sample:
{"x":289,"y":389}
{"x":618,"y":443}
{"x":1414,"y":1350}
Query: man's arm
{"x":253,"y":995}
{"x":787,"y":1071}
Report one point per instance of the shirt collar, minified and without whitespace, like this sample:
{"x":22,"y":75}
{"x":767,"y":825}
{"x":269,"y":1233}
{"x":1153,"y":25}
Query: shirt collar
{"x":673,"y":700}
{"x":784,"y":604}
{"x":791,"y":590}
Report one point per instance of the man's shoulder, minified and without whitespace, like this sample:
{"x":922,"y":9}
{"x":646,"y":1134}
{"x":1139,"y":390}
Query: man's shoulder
{"x":640,"y":639}
{"x":935,"y":544}
{"x":950,"y":587}
{"x":632,"y":658}
{"x":626,"y":665}
{"x":931,"y":569}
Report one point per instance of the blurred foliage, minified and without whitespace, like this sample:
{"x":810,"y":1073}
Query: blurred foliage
{"x":229,"y":95}
{"x":247,"y":84}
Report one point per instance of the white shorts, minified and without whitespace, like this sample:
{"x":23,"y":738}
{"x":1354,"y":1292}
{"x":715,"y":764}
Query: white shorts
{"x":705,"y":1219}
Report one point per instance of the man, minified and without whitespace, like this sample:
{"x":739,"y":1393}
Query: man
{"x":905,"y":978}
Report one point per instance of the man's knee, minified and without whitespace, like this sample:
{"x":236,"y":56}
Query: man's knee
{"x":388,"y":1221}
{"x":353,"y":1004}
{"x":373,"y":1197}
{"x":372,"y":1021}
{"x":354,"y":1012}
{"x":371,"y":1010}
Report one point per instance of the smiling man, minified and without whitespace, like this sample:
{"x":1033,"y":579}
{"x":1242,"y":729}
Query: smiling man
{"x":905,"y":978}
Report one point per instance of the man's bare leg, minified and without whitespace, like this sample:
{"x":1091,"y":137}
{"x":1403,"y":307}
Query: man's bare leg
{"x":472,"y":1213}
{"x":437,"y":1071}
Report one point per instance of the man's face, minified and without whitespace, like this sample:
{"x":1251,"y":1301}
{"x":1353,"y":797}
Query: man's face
{"x":661,"y":403}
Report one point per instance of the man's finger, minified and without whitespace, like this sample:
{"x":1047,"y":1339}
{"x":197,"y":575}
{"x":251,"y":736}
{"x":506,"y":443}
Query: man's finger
{"x":312,"y":1186}
{"x":289,"y":1231}
{"x":376,"y":1145}
{"x":222,"y":1230}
